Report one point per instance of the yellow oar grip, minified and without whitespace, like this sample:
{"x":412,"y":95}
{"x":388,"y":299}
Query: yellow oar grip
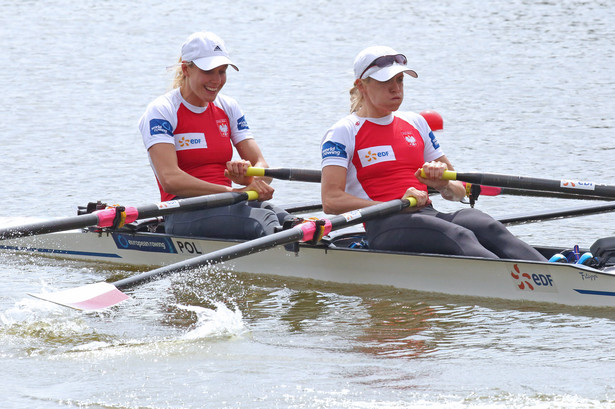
{"x":252,"y":195}
{"x":255,"y":172}
{"x":448,"y":174}
{"x":412,"y":201}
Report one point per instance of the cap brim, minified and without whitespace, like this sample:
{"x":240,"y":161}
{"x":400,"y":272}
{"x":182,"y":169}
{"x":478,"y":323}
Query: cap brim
{"x":209,"y":63}
{"x":386,"y":73}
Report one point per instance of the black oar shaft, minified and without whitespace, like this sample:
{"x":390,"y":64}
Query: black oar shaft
{"x":557,"y":214}
{"x":556,"y":195}
{"x":49,"y":226}
{"x":303,"y":207}
{"x":141,"y":212}
{"x":511,"y":185}
{"x":539,"y":184}
{"x":191,"y":203}
{"x":301,"y":175}
{"x":305,"y":175}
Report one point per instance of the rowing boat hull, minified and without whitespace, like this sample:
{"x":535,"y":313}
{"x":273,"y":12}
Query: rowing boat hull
{"x":567,"y":284}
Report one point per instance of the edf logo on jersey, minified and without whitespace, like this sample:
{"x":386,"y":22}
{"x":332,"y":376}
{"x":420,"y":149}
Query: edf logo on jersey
{"x":193,"y":140}
{"x":376,"y":154}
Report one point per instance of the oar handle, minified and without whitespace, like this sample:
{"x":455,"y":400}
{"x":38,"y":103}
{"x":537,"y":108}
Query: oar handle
{"x":255,"y":172}
{"x":252,"y":195}
{"x":411,"y":201}
{"x":448,"y":174}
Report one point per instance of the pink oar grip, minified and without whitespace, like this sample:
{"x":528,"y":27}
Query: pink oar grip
{"x":106,"y":216}
{"x":309,"y":229}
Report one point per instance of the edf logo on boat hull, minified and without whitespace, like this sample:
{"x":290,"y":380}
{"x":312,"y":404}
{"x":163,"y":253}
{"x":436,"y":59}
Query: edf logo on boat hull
{"x":532,"y":281}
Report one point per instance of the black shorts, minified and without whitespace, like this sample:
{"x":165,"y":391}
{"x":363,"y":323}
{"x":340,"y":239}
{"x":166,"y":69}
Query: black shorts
{"x":467,"y":232}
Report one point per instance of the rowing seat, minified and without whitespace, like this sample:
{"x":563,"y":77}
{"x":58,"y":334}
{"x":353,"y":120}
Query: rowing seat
{"x":604,"y":250}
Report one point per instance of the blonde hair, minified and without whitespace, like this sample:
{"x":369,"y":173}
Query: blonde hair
{"x":178,"y":77}
{"x":356,"y":98}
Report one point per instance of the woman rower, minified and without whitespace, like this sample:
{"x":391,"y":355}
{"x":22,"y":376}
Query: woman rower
{"x":189,"y":134}
{"x":375,"y":155}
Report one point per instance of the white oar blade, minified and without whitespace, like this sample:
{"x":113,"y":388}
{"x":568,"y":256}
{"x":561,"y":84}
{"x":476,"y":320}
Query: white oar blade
{"x":90,"y":297}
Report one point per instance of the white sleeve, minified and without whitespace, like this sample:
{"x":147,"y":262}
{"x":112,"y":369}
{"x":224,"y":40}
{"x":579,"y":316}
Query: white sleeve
{"x":337,"y":145}
{"x":158,"y":122}
{"x":239,"y":126}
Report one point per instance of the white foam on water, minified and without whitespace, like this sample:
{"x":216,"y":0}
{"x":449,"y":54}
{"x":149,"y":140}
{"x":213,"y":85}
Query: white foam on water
{"x":218,"y":322}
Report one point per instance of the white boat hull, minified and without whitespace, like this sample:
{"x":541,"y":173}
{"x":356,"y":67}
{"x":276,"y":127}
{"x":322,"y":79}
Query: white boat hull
{"x":567,"y":284}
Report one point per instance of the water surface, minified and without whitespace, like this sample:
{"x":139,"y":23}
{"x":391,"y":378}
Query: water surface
{"x":525,"y":87}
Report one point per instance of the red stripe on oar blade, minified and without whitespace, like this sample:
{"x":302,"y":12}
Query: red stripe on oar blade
{"x":89,"y":297}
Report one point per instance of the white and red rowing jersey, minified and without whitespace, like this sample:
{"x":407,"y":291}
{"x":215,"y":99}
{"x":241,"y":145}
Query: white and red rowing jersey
{"x":381,"y":155}
{"x":203,"y":136}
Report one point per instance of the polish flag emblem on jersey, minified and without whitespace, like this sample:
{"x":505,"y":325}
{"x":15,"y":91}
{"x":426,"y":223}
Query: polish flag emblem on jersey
{"x":409,"y":138}
{"x":223,"y":127}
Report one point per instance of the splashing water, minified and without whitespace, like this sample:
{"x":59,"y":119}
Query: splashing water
{"x":218,"y":322}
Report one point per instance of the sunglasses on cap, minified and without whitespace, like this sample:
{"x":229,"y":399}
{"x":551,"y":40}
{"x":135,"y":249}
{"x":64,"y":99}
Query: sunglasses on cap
{"x":385,"y":61}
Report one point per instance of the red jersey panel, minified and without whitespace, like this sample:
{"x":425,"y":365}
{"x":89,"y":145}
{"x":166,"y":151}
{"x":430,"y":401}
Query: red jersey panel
{"x":202,"y":143}
{"x":386,"y":157}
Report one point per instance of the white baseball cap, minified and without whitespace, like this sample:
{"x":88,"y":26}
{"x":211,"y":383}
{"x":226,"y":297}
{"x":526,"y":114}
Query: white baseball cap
{"x":380,"y":63}
{"x":206,"y":50}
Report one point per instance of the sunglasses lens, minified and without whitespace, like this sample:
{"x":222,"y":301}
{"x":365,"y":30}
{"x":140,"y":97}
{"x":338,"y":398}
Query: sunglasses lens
{"x":386,"y":60}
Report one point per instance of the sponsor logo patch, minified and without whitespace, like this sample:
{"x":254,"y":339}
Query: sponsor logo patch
{"x":573,"y":184}
{"x":333,"y":149}
{"x":376,"y":154}
{"x":242,"y":124}
{"x":434,"y":141}
{"x":151,"y":244}
{"x":532,"y":281}
{"x":354,"y":214}
{"x":185,"y":141}
{"x":160,"y":126}
{"x":169,"y":204}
